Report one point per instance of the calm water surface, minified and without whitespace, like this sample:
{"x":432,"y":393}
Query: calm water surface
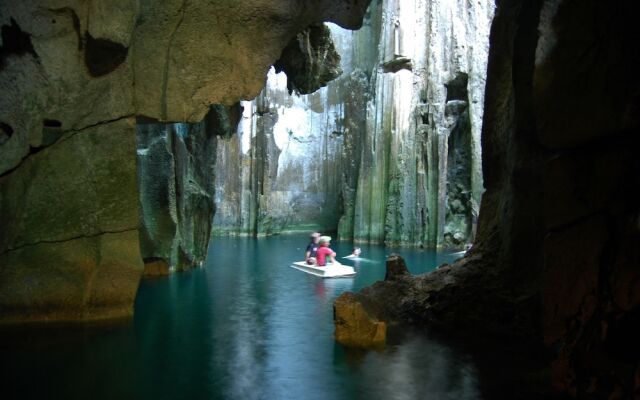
{"x":246,"y":326}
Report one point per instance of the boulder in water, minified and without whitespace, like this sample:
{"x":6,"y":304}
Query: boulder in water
{"x":355,"y":327}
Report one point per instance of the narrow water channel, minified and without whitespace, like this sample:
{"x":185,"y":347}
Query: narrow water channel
{"x":245,"y":326}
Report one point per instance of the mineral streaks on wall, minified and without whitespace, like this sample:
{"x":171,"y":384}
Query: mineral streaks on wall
{"x":419,"y":173}
{"x":280,"y":172}
{"x":389,"y":152}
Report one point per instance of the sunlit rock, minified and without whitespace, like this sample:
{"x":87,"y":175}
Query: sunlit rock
{"x":417,"y":155}
{"x":354,"y":326}
{"x":281,"y":172}
{"x":389,"y":152}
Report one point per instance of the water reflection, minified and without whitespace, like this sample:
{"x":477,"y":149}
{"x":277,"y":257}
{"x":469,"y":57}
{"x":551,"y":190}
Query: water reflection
{"x":327,"y":290}
{"x":170,"y":332}
{"x":422,"y":367}
{"x":247,"y":326}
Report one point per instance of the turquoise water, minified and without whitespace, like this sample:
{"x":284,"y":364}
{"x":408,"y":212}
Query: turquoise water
{"x":245,"y":326}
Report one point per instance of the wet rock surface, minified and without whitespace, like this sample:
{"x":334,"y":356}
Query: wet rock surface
{"x":155,"y":266}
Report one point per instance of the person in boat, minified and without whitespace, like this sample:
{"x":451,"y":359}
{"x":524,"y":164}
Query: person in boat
{"x":324,"y":252}
{"x":312,"y":248}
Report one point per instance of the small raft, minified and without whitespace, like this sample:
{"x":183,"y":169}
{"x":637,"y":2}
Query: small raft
{"x":328,"y":271}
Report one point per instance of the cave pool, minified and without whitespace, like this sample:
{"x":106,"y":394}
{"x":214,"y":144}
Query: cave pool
{"x":243,"y":326}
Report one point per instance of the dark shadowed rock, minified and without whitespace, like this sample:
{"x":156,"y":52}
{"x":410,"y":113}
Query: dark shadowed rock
{"x":310,"y":60}
{"x":176,"y":175}
{"x":396,"y":268}
{"x":397,"y":64}
{"x":555,"y":262}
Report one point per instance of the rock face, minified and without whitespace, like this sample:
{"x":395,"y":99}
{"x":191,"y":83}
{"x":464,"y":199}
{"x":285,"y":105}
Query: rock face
{"x":280,"y":172}
{"x":418,"y":143}
{"x":556,"y":257}
{"x":397,"y":135}
{"x":156,"y":267}
{"x":72,"y":254}
{"x":73,"y":77}
{"x":310,"y":60}
{"x":176,"y":175}
{"x":396,"y":268}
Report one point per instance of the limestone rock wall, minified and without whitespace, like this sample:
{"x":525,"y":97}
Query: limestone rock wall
{"x":69,"y":241}
{"x":176,"y":176}
{"x":280,"y":172}
{"x":555,"y":262}
{"x":398,"y":133}
{"x":72,"y":73}
{"x":419,"y":181}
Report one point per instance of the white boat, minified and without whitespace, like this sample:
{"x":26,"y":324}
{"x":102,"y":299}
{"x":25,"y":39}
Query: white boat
{"x":329,"y":271}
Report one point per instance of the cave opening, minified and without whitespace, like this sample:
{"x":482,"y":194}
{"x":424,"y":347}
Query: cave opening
{"x":496,"y":156}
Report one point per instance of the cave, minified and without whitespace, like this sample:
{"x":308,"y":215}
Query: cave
{"x":163,"y":164}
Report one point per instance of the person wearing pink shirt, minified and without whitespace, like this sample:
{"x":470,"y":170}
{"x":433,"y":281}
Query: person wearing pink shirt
{"x":325,"y":251}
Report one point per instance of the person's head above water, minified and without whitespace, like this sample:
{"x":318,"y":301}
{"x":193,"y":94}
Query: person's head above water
{"x":315,"y":236}
{"x":325,"y":240}
{"x":356,"y":251}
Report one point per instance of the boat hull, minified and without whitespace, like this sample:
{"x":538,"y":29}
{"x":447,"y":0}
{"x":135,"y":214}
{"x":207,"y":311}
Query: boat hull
{"x":329,"y":271}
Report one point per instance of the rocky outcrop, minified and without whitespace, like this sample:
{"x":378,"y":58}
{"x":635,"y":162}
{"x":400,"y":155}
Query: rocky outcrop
{"x":553,"y":260}
{"x":354,"y":325}
{"x":72,"y":254}
{"x":70,"y":71}
{"x":446,"y":299}
{"x":176,"y":175}
{"x":310,"y":60}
